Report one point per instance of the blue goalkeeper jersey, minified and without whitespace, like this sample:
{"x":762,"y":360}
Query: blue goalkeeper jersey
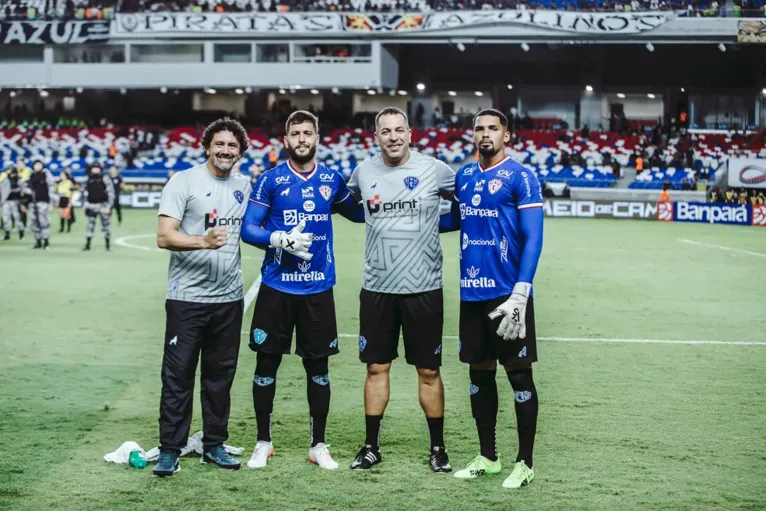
{"x":490,"y":232}
{"x":292,"y":197}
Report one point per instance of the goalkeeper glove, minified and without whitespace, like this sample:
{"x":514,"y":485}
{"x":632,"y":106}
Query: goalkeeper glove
{"x":295,"y":242}
{"x":514,"y":313}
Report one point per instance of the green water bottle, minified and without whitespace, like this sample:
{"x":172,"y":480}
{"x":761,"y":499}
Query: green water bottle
{"x":137,"y":460}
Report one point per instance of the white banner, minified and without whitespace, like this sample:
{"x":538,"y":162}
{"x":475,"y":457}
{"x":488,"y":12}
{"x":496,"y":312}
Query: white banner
{"x":169,"y":24}
{"x":747,"y":172}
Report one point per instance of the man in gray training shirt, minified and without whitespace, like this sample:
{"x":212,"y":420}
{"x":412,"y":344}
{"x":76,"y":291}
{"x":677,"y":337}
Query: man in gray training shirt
{"x":200,"y":218}
{"x":402,"y":290}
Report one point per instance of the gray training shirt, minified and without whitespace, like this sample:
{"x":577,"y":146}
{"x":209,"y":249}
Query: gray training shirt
{"x":201,"y":202}
{"x":403,"y":254}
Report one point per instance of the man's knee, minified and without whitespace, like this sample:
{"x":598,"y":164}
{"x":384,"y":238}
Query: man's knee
{"x":378,"y":370}
{"x":490,"y":365}
{"x":428,"y":376}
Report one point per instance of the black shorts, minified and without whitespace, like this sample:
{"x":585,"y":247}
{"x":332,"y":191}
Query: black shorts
{"x":479,"y":341}
{"x":277,"y":314}
{"x":63,"y":202}
{"x":419,"y":316}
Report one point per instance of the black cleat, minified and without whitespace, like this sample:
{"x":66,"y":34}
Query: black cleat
{"x":21,"y":235}
{"x":220,"y":457}
{"x":439,"y":460}
{"x":87,"y":245}
{"x":366,"y":458}
{"x":7,"y":236}
{"x":108,"y":248}
{"x":46,"y":244}
{"x":38,"y":244}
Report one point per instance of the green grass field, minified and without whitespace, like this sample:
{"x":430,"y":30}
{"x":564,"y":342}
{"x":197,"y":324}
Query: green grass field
{"x":622,"y":425}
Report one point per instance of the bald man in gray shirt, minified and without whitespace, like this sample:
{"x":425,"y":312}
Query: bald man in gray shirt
{"x":401,"y":192}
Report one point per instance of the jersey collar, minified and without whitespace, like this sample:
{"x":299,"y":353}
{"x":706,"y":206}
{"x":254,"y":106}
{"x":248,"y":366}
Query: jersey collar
{"x":305,"y":176}
{"x":493,"y":166}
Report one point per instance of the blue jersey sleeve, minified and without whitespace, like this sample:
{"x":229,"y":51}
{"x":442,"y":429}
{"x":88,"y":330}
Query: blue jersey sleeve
{"x":527,"y":190}
{"x":450,"y":221}
{"x":350,"y":209}
{"x":531,"y":220}
{"x":262,"y":191}
{"x":252,"y":231}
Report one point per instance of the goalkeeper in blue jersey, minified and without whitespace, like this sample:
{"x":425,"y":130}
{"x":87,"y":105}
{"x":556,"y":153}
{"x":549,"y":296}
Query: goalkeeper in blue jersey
{"x":298,"y":275}
{"x":500,"y":207}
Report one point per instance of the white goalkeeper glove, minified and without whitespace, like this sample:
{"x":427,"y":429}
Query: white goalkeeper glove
{"x":514,"y":312}
{"x":295,"y":242}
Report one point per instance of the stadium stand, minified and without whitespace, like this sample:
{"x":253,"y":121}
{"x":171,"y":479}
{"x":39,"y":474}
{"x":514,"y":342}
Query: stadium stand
{"x":105,"y":9}
{"x":556,"y":156}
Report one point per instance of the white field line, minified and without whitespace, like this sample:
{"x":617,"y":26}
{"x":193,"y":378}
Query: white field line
{"x":722,"y":247}
{"x":125,"y":241}
{"x":252,"y":293}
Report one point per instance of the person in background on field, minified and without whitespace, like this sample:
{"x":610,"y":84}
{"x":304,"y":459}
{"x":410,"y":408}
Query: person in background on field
{"x":12,"y":190}
{"x":729,"y":196}
{"x":98,"y":197}
{"x":665,"y":193}
{"x":713,"y":195}
{"x":743,"y":196}
{"x":117,"y":180}
{"x":64,"y":187}
{"x":42,"y":189}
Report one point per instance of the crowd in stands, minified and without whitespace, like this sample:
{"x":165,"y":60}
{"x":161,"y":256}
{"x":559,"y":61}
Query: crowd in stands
{"x":105,"y":9}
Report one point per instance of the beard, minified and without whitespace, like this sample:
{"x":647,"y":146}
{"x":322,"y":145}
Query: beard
{"x":301,"y":159}
{"x":488,"y":151}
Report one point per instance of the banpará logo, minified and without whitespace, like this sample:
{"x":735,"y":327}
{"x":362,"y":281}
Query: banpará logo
{"x":466,"y":210}
{"x":293,"y":217}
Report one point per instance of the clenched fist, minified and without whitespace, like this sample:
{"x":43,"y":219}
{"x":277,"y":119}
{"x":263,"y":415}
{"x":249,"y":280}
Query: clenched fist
{"x":216,"y":238}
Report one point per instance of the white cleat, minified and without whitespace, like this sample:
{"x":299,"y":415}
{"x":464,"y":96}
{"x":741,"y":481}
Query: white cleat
{"x":261,"y":454}
{"x":319,"y":455}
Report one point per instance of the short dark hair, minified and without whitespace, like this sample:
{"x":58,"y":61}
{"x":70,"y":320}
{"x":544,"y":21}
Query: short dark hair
{"x":494,"y":113}
{"x":226,"y":124}
{"x":391,"y":110}
{"x":301,"y":116}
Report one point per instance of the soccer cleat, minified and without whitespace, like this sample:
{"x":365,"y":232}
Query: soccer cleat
{"x":7,"y":236}
{"x":21,"y":235}
{"x":38,"y":244}
{"x":46,"y":244}
{"x":521,"y":475}
{"x":167,"y":465}
{"x":261,"y":454}
{"x":108,"y":248}
{"x":439,"y":460}
{"x":219,"y":456}
{"x":366,"y":458}
{"x":478,"y":467}
{"x":320,"y":455}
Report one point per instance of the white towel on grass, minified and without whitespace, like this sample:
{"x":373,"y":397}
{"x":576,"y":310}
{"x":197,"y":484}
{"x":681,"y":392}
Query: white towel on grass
{"x":194,"y":445}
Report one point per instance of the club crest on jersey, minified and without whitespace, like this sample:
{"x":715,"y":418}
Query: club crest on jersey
{"x":411,"y":182}
{"x":325,"y":191}
{"x":263,"y":381}
{"x":259,"y":336}
{"x":321,"y":379}
{"x":362,"y":343}
{"x":494,"y":186}
{"x":239,"y":196}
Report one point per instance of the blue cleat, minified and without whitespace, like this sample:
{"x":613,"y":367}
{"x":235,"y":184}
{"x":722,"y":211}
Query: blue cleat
{"x":167,"y":465}
{"x":220,"y":457}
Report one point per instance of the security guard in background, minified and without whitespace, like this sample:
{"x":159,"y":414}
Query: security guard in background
{"x":12,"y":189}
{"x":24,"y":173}
{"x":98,"y":197}
{"x":42,"y":188}
{"x":117,"y":185}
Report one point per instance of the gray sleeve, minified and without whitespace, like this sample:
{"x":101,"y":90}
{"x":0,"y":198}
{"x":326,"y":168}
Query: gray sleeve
{"x":353,"y":183}
{"x":5,"y":186}
{"x":445,"y":177}
{"x":109,"y":189}
{"x":175,"y":195}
